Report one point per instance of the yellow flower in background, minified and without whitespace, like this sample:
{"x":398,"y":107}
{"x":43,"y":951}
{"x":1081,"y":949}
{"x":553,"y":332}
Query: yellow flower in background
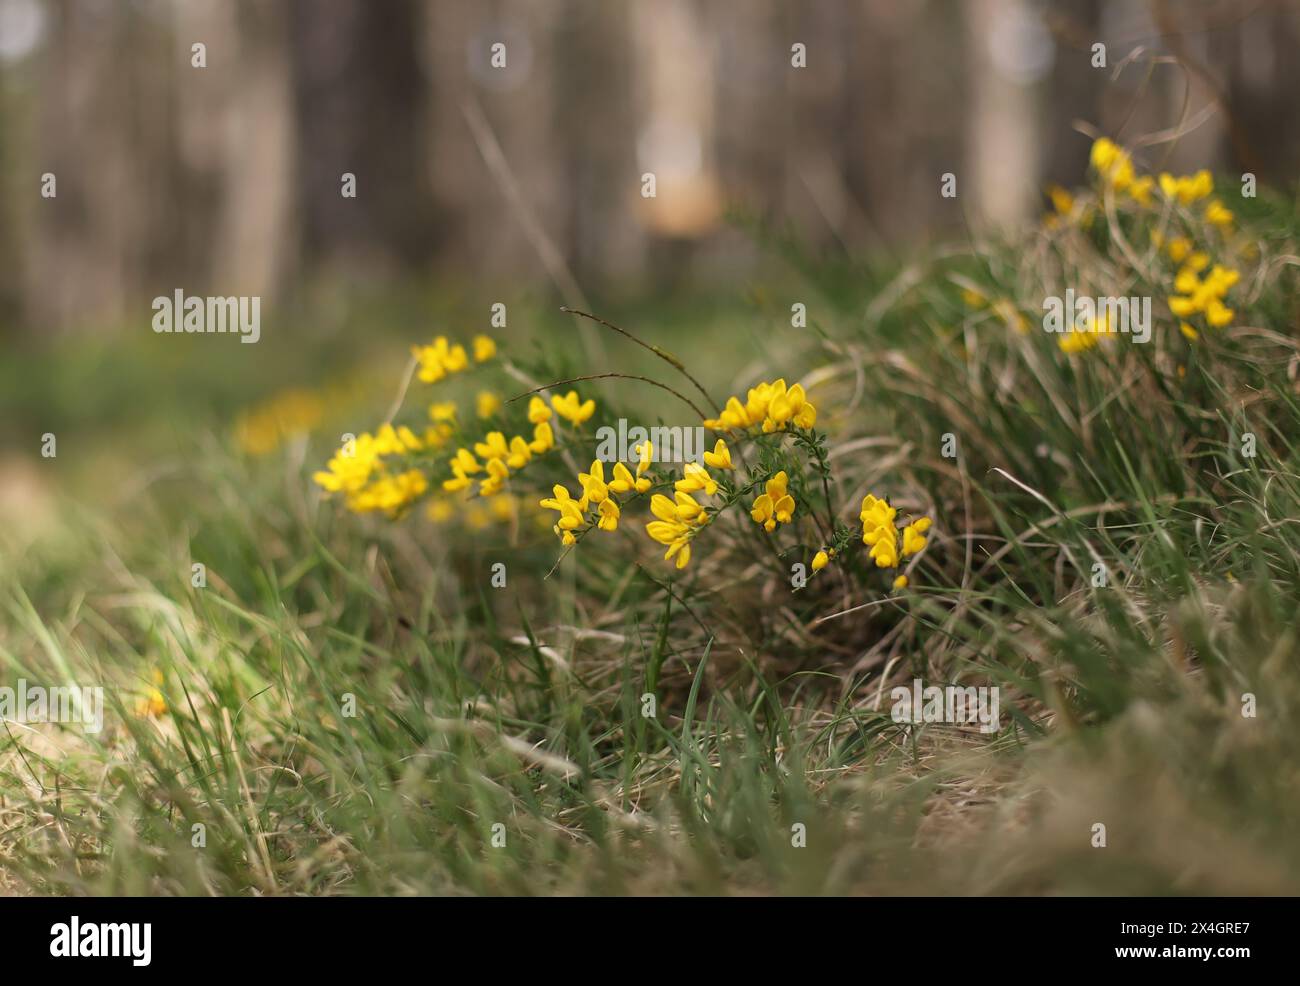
{"x":1188,"y":188}
{"x":1217,"y":214}
{"x":153,"y":704}
{"x":390,"y":493}
{"x":496,"y":478}
{"x":543,"y":438}
{"x":900,"y":583}
{"x":538,"y":411}
{"x":1140,"y":189}
{"x":1062,"y":202}
{"x":265,"y":427}
{"x":1178,"y":249}
{"x":442,"y":411}
{"x":486,"y":404}
{"x":440,"y":510}
{"x":1188,"y":331}
{"x":1217,"y":314}
{"x":720,"y":457}
{"x":439,"y":359}
{"x":494,"y":447}
{"x":820,"y":560}
{"x":1071,"y":343}
{"x":485,"y":348}
{"x":1112,"y":163}
{"x":572,"y":409}
{"x":520,"y":453}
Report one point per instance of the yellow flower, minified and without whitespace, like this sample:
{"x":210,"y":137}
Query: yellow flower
{"x":390,"y":493}
{"x":900,"y":583}
{"x":1186,"y":282}
{"x":820,"y":561}
{"x":609,"y":514}
{"x":1217,"y":313}
{"x":485,"y":348}
{"x":1178,"y":249}
{"x":775,"y":505}
{"x":1112,"y":163}
{"x":645,"y":455}
{"x":688,"y":509}
{"x":487,"y":404}
{"x":572,"y":409}
{"x":520,"y":453}
{"x":879,"y":533}
{"x":439,"y":359}
{"x":496,"y":478}
{"x":263,"y":429}
{"x":624,"y":481}
{"x":538,"y":411}
{"x":593,"y":483}
{"x":570,"y":511}
{"x":543,"y":438}
{"x":671,"y":528}
{"x":440,"y":510}
{"x":494,"y":447}
{"x":1182,"y":307}
{"x":1140,"y":190}
{"x":1188,"y":331}
{"x":459,"y":480}
{"x":720,"y":457}
{"x":1217,"y":214}
{"x":914,"y":536}
{"x":1062,"y":201}
{"x":694,"y":478}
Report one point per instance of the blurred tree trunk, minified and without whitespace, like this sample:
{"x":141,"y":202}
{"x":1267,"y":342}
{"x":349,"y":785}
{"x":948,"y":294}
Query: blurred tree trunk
{"x":360,"y":107}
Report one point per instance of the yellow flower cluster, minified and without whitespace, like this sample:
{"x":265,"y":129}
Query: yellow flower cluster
{"x":442,"y":358}
{"x":261,"y":430}
{"x":500,"y":455}
{"x":1187,"y":189}
{"x":1081,"y":341}
{"x":1115,"y":167}
{"x":478,"y":515}
{"x":775,"y":505}
{"x":888,"y":544}
{"x":768,"y":404}
{"x":598,"y":493}
{"x":1196,"y":295}
{"x":358,"y":471}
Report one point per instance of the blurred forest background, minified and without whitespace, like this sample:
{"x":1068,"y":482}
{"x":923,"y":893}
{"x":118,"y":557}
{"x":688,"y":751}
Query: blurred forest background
{"x":226,"y":179}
